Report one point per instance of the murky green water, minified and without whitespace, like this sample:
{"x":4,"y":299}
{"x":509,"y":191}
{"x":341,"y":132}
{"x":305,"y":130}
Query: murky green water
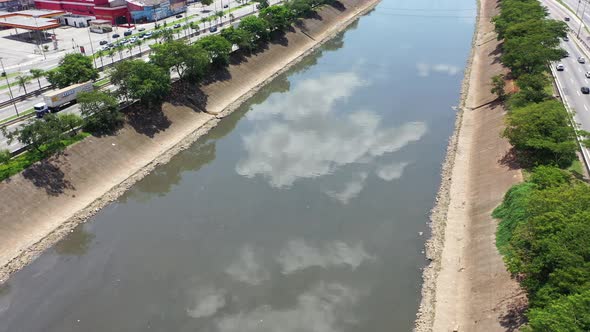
{"x":303,"y":211}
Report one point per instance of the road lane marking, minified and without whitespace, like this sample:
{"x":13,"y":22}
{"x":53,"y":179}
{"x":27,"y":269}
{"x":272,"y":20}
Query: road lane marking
{"x":580,"y":70}
{"x":578,"y":92}
{"x":585,"y":107}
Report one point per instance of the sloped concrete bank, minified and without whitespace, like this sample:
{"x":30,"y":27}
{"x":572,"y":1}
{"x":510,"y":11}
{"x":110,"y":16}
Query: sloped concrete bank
{"x":466,"y":286}
{"x":44,"y":203}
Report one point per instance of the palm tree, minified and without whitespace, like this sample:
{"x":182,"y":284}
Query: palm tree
{"x":111,"y":55}
{"x":120,"y":50}
{"x":129,"y":47}
{"x":22,"y":81}
{"x":139,"y":42}
{"x":100,"y":54}
{"x":37,"y":74}
{"x":219,"y":15}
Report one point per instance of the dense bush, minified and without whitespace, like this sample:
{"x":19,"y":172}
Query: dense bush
{"x":543,"y":235}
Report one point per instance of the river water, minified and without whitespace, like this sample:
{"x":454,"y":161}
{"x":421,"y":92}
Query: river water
{"x":304,"y":211}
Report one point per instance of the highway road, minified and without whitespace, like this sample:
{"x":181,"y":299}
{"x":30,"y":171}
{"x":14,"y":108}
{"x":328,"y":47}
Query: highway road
{"x":573,"y":78}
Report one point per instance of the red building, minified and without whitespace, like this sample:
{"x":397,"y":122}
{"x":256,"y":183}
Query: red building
{"x":114,"y":11}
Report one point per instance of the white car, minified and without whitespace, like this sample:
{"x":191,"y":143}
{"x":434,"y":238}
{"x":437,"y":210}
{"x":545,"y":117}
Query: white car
{"x":587,"y":74}
{"x":581,"y":59}
{"x":560,"y":67}
{"x":132,"y":40}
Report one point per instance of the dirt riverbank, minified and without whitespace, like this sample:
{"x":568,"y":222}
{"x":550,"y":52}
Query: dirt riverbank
{"x":466,"y":286}
{"x":44,"y":203}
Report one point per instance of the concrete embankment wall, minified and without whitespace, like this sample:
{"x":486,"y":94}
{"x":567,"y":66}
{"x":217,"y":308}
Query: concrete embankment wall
{"x":42,"y":204}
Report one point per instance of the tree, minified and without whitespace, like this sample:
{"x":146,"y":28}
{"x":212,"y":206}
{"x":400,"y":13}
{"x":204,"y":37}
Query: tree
{"x":262,"y":4}
{"x":37,"y":74}
{"x":544,"y":177}
{"x":70,"y":122}
{"x":206,"y":2}
{"x":219,"y":15}
{"x":5,"y":156}
{"x":300,"y":8}
{"x":100,"y":110}
{"x":189,"y":61}
{"x":73,"y":68}
{"x":530,"y":45}
{"x":517,"y":11}
{"x":240,"y":37}
{"x":100,"y":54}
{"x":140,"y":80}
{"x":256,"y":26}
{"x":498,"y":86}
{"x":568,"y":313}
{"x":279,"y":17}
{"x":22,"y":81}
{"x":218,"y":49}
{"x":34,"y":134}
{"x":111,"y":54}
{"x":542,"y":133}
{"x":532,"y":88}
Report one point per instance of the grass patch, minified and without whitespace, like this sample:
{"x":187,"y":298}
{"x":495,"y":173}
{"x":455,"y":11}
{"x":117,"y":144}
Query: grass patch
{"x":512,"y":212}
{"x":576,"y":167}
{"x":21,"y":114}
{"x":21,"y":162}
{"x":102,"y":82}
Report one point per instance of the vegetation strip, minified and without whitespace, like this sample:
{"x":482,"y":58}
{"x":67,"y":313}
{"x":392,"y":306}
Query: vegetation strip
{"x":545,"y":221}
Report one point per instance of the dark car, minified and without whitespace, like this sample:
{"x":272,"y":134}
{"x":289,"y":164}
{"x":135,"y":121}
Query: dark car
{"x":116,"y":35}
{"x":212,"y":29}
{"x":179,"y":16}
{"x":127,"y":33}
{"x":103,"y":42}
{"x":176,"y":26}
{"x":225,"y":6}
{"x":585,"y":90}
{"x":566,"y":38}
{"x":567,"y":19}
{"x":141,"y":29}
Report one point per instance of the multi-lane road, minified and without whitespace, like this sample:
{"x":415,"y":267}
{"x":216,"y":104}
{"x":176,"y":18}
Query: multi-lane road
{"x":573,"y":78}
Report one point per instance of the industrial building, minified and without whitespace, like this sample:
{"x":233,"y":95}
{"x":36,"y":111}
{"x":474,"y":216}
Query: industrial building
{"x":117,"y":11}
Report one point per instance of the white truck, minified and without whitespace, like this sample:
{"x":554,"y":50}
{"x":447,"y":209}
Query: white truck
{"x":57,"y":99}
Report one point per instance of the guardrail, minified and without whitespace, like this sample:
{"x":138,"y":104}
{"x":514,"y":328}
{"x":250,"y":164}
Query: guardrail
{"x":571,"y":112}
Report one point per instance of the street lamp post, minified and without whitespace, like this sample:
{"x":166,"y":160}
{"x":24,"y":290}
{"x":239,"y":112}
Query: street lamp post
{"x":581,"y":19}
{"x":92,"y":48}
{"x":578,"y":6}
{"x":9,"y":89}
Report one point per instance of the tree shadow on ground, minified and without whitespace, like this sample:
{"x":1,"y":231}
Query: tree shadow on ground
{"x":189,"y":95}
{"x":46,"y":174}
{"x":492,"y":104}
{"x":217,"y":75}
{"x":147,"y":120}
{"x":512,"y":159}
{"x":280,"y":37}
{"x":338,"y":6}
{"x":496,"y":54}
{"x":514,"y":318}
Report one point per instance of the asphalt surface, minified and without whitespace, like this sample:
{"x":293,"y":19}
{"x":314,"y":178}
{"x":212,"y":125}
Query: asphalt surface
{"x":573,"y":77}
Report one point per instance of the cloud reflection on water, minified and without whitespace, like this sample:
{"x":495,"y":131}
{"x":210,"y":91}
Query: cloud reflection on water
{"x":320,"y":309}
{"x":302,"y":135}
